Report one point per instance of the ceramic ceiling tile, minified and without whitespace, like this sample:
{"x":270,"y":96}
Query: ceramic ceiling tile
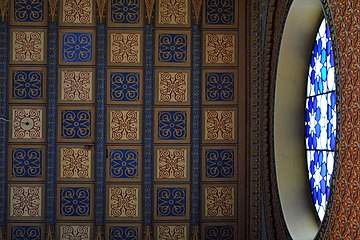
{"x":124,"y":163}
{"x":212,"y":231}
{"x":75,"y":202}
{"x":172,"y":87}
{"x":27,"y":84}
{"x":172,"y":48}
{"x":28,"y":124}
{"x":26,"y":201}
{"x":220,"y":86}
{"x":76,"y":124}
{"x":77,"y":47}
{"x":220,"y":14}
{"x":117,"y":231}
{"x":124,"y":202}
{"x":125,"y":13}
{"x":172,"y":231}
{"x":77,"y":13}
{"x":125,"y":86}
{"x":75,"y":163}
{"x":174,"y":13}
{"x":219,"y":125}
{"x":28,"y":13}
{"x":28,"y":46}
{"x":219,"y":201}
{"x":125,"y":48}
{"x":79,"y":231}
{"x":26,"y":163}
{"x":124,"y":125}
{"x":220,"y":48}
{"x":35,"y":231}
{"x":77,"y":85}
{"x":172,"y":163}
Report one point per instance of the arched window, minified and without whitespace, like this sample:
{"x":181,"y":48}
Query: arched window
{"x":320,"y":119}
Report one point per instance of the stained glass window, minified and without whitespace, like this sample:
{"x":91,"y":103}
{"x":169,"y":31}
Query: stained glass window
{"x":320,"y":119}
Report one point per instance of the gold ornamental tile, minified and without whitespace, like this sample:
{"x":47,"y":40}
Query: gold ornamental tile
{"x":172,"y":87}
{"x":219,"y":201}
{"x":28,"y":46}
{"x":124,"y":202}
{"x":174,"y":13}
{"x":75,"y":163}
{"x":173,"y":231}
{"x":172,"y":163}
{"x":220,"y":48}
{"x":77,"y":13}
{"x":219,"y":125}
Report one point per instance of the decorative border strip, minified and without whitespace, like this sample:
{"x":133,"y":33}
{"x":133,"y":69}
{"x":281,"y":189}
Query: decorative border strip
{"x":148,"y":123}
{"x":196,"y":124}
{"x":51,"y":156}
{"x":4,"y":56}
{"x":100,"y":123}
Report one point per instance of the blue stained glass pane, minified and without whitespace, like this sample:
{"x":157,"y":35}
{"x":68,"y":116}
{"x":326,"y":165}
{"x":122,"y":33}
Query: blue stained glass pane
{"x":320,"y":119}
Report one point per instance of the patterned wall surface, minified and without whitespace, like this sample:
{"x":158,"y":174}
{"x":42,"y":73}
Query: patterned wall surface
{"x":176,"y":180}
{"x":344,"y":221}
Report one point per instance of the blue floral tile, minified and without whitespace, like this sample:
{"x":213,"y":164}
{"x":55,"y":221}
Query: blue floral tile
{"x":124,"y":163}
{"x":172,"y":125}
{"x":76,"y":124}
{"x":173,"y":48}
{"x":219,"y":163}
{"x":77,"y":47}
{"x":123,"y":231}
{"x":220,"y":13}
{"x":26,"y":163}
{"x":75,"y":202}
{"x":172,"y":202}
{"x":125,"y":13}
{"x":219,"y":231}
{"x":28,"y":11}
{"x":220,"y":86}
{"x":125,"y":86}
{"x":27,"y":84}
{"x":26,"y":232}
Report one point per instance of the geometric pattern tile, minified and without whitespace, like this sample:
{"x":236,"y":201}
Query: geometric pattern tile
{"x":219,"y":125}
{"x":220,"y":48}
{"x":27,"y":84}
{"x":123,"y":231}
{"x":26,"y":201}
{"x":76,"y":85}
{"x":172,"y":231}
{"x":220,"y":14}
{"x":219,"y":230}
{"x":172,"y":87}
{"x":172,"y":125}
{"x":125,"y":13}
{"x":75,"y":202}
{"x":28,"y":47}
{"x":172,"y":163}
{"x":74,"y":231}
{"x":75,"y":12}
{"x":125,"y":47}
{"x":219,"y":201}
{"x":27,"y":124}
{"x":76,"y":124}
{"x":124,"y":125}
{"x":172,"y":48}
{"x":124,"y":86}
{"x":174,"y":13}
{"x":77,"y":47}
{"x":31,"y":231}
{"x":28,"y":13}
{"x":172,"y":202}
{"x":124,"y":163}
{"x":75,"y":163}
{"x":219,"y":163}
{"x":219,"y":86}
{"x":124,"y":202}
{"x":26,"y":163}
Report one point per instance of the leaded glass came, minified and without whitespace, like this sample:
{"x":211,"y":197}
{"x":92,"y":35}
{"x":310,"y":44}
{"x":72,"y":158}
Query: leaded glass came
{"x":320,"y":119}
